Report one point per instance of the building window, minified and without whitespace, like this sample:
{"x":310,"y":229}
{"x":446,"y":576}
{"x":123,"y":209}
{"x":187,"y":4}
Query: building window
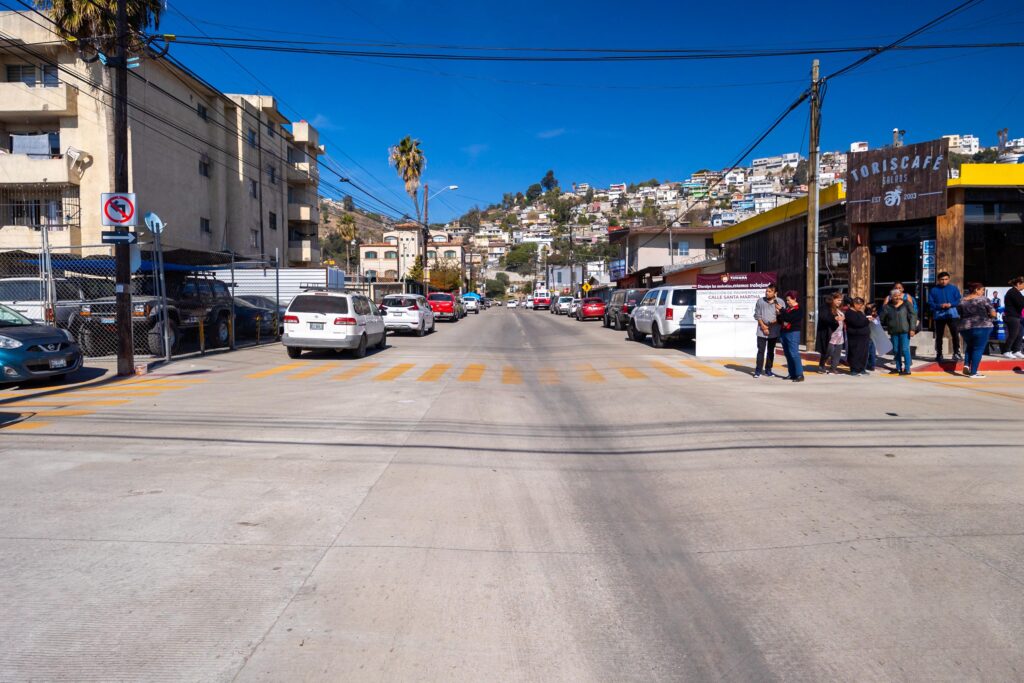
{"x":391,"y":240}
{"x":683,"y":248}
{"x":21,"y":73}
{"x":273,"y":221}
{"x":449,"y":254}
{"x":201,"y":111}
{"x":370,"y":254}
{"x":432,"y":254}
{"x":390,"y":254}
{"x":254,"y":238}
{"x":251,"y":138}
{"x":270,"y":128}
{"x":272,"y":175}
{"x":50,"y":78}
{"x":254,"y":189}
{"x":204,"y":166}
{"x":204,"y":225}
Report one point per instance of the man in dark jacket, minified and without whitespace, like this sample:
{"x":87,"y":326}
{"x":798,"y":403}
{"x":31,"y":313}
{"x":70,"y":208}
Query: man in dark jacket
{"x":942,"y":300}
{"x":1013,"y":303}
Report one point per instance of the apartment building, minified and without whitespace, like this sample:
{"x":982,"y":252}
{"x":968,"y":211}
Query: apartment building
{"x":226,"y":173}
{"x":963,"y":144}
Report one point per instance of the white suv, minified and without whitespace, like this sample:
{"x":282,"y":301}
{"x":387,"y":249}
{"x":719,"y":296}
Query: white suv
{"x":665,"y":313}
{"x":332,"y":320}
{"x":471,"y":304}
{"x":407,"y":313}
{"x":561,"y":306}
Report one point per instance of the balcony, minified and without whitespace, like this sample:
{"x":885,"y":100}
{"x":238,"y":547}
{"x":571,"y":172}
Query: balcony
{"x":305,"y":134}
{"x":19,"y":169}
{"x":23,"y":103}
{"x":303,"y":213}
{"x":304,"y":251}
{"x":302,"y":173}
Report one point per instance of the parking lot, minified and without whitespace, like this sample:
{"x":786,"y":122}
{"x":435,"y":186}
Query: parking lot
{"x":517,"y":495}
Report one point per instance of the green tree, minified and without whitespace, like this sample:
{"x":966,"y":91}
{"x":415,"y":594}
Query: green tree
{"x":549,"y":182}
{"x":348,"y":204}
{"x":503,"y":278}
{"x":494,"y":289}
{"x":521,"y":258}
{"x":533,"y":192}
{"x":471,"y":219}
{"x":94,"y":24}
{"x":416,"y":271}
{"x":589,"y":196}
{"x":800,"y":174}
{"x":408,"y":160}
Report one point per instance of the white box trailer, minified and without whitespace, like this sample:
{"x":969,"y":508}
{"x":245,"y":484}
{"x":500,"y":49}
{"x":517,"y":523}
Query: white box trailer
{"x":284,"y":283}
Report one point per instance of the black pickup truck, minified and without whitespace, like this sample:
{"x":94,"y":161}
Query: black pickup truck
{"x":192,"y":300}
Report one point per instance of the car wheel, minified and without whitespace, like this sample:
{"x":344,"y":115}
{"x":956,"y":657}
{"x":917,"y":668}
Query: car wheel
{"x":656,"y":339}
{"x":604,"y":321}
{"x":293,"y":351}
{"x":221,"y":333}
{"x":433,"y":326}
{"x":155,"y":341}
{"x":383,"y":343}
{"x":635,"y":334}
{"x":420,"y":331}
{"x":618,"y":324}
{"x":360,"y":351}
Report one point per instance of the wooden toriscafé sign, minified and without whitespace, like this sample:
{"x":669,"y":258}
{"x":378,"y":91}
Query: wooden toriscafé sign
{"x":897,"y":183}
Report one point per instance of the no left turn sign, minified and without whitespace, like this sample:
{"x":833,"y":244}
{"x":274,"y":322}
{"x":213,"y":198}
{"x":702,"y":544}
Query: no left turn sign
{"x":118,"y":208}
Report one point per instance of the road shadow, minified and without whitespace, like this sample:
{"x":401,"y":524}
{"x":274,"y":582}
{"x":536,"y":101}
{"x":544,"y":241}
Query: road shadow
{"x":80,"y":376}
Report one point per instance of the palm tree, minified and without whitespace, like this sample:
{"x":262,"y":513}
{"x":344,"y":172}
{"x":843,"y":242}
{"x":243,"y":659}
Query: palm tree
{"x":408,"y":160}
{"x":93,"y":23}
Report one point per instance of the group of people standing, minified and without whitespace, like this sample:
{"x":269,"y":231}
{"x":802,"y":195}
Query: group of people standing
{"x":846,"y":323}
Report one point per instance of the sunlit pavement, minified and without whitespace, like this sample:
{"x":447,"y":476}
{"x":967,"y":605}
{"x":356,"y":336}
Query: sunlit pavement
{"x":517,"y":496}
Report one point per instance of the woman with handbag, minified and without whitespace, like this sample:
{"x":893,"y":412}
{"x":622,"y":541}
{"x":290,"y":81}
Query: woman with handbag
{"x":977,"y":320}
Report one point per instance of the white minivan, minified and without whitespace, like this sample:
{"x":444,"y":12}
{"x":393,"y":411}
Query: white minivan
{"x":665,"y":313}
{"x":338,"y":320}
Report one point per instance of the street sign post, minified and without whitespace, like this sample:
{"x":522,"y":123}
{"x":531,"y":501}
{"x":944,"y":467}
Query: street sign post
{"x":115,"y":237}
{"x":586,"y":288}
{"x":118,"y":209}
{"x":156,"y":226}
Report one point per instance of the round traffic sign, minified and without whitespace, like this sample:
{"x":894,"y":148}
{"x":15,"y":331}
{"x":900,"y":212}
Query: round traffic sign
{"x":119,"y":209}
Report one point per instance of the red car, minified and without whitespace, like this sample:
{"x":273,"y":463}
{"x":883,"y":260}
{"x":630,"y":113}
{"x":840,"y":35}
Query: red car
{"x":443,"y":305}
{"x":591,"y":307}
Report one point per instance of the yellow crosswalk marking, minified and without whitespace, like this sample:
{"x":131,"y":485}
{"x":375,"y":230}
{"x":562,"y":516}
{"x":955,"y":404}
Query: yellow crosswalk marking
{"x":631,"y":373}
{"x":63,"y":402}
{"x":63,"y":412}
{"x":473,"y":372}
{"x":509,"y":375}
{"x":312,"y":372}
{"x":549,"y":376}
{"x":117,"y":392}
{"x":667,"y":369}
{"x":275,"y":370}
{"x":435,"y":373}
{"x":354,"y":372}
{"x":393,"y":373}
{"x":706,"y":369}
{"x":590,"y":375}
{"x":24,"y":426}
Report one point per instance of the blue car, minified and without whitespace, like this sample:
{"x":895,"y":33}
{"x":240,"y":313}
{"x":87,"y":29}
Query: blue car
{"x":32,"y":351}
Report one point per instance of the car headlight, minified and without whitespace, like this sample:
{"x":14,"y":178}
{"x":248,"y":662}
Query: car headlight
{"x":9,"y":343}
{"x":68,"y":334}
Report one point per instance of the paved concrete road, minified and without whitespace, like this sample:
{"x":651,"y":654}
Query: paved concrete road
{"x":516,"y":497}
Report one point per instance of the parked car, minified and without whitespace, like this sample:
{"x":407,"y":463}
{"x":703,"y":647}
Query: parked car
{"x":28,"y":296}
{"x":266,"y":302}
{"x":513,"y":303}
{"x":192,"y":300}
{"x":574,"y":306}
{"x":253,"y":321}
{"x":542,"y":299}
{"x":444,"y":306}
{"x":333,"y":319}
{"x":665,"y":313}
{"x":620,"y":306}
{"x":407,"y":313}
{"x":591,"y":308}
{"x":561,"y":305}
{"x":529,"y":302}
{"x":471,"y":304}
{"x":30,"y":350}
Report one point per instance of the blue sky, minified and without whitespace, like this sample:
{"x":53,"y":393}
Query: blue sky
{"x":497,"y":127}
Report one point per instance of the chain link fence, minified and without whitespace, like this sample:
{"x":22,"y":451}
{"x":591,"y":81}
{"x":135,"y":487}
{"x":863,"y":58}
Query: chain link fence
{"x":184,"y":302}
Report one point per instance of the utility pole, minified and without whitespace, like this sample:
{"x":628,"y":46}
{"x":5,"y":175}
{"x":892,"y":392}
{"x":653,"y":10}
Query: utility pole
{"x":812,"y":209}
{"x":123,"y":270}
{"x":426,"y":236}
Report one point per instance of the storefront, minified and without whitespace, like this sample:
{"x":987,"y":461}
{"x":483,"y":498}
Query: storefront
{"x":978,"y":238}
